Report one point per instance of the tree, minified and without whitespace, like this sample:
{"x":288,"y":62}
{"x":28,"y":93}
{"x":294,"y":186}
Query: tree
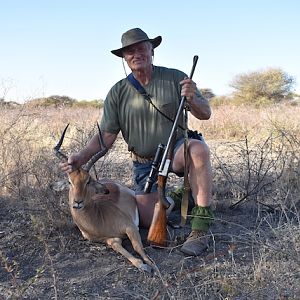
{"x":54,"y":100}
{"x":207,"y":93}
{"x":269,"y":86}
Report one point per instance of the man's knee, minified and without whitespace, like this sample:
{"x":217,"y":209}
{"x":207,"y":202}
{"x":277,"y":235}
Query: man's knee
{"x":199,"y":151}
{"x":145,"y":204}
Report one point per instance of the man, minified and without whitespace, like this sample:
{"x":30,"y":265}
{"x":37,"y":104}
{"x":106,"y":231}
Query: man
{"x":145,"y":122}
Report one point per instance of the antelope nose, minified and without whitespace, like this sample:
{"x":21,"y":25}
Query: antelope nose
{"x":78,"y":204}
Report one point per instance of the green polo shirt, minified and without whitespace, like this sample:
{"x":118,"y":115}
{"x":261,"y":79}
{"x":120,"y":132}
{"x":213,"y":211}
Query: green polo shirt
{"x":142,"y":126}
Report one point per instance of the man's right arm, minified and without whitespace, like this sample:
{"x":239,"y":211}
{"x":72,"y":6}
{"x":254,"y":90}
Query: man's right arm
{"x":76,"y":160}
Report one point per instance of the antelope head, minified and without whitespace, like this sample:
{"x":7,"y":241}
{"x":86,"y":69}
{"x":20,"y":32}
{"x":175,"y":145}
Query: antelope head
{"x":81,"y":185}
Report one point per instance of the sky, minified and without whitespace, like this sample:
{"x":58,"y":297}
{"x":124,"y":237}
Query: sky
{"x":62,"y":47}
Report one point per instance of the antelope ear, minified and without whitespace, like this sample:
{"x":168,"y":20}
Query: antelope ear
{"x":59,"y":186}
{"x":100,"y":188}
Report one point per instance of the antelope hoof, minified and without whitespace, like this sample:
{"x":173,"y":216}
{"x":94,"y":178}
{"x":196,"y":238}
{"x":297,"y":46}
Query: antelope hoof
{"x":147,"y":268}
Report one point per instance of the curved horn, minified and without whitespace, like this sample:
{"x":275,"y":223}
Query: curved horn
{"x":99,"y":154}
{"x":57,"y":152}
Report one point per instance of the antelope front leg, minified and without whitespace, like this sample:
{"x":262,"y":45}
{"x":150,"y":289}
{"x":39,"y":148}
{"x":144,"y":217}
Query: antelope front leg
{"x":116,"y":244}
{"x":135,"y":239}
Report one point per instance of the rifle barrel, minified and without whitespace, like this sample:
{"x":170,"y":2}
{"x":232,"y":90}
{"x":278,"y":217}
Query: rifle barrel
{"x":163,"y":166}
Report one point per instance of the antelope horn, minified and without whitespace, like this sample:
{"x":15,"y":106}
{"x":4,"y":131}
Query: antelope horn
{"x":57,"y":152}
{"x":99,"y":154}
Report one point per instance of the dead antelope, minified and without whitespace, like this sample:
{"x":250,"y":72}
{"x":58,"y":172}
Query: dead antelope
{"x":104,"y":210}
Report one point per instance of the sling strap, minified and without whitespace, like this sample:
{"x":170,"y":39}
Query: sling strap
{"x":186,"y":184}
{"x":138,"y":86}
{"x":140,"y":89}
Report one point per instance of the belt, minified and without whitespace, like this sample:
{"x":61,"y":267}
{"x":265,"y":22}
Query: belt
{"x":141,"y":159}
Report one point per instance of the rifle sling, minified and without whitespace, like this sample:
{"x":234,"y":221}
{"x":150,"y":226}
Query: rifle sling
{"x":140,"y":89}
{"x":186,"y":184}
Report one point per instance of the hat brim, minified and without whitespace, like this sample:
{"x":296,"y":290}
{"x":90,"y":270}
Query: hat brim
{"x":155,"y":42}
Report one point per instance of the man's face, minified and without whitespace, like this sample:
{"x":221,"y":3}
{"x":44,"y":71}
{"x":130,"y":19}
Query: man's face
{"x":138,"y":56}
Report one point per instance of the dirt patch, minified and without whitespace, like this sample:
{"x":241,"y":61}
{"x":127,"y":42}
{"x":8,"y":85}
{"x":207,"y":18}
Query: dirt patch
{"x":253,"y":253}
{"x":45,"y":258}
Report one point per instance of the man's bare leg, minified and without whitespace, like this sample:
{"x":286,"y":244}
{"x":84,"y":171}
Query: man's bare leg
{"x":200,"y":177}
{"x":200,"y":173}
{"x":146,"y":205}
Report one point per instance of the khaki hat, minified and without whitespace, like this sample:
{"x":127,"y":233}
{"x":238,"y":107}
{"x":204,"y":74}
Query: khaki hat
{"x":134,"y":36}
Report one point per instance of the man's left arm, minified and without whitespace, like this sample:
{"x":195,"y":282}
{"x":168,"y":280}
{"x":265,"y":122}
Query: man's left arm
{"x":197,"y":104}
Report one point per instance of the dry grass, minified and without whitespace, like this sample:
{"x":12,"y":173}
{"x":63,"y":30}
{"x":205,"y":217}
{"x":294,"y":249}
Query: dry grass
{"x":234,"y":123}
{"x":255,"y":249}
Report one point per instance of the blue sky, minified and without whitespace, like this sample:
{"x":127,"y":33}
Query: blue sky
{"x":62,"y":47}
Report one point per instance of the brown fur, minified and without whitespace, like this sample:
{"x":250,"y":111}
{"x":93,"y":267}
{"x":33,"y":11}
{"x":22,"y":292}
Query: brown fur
{"x":106,"y":211}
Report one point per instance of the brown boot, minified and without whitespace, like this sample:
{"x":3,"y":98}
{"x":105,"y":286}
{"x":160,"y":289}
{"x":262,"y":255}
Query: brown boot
{"x":196,"y":243}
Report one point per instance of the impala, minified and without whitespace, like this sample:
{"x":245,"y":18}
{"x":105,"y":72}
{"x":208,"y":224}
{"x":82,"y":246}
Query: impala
{"x":104,"y":210}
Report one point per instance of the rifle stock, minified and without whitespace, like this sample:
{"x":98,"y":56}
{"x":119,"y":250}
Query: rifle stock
{"x":157,"y":234}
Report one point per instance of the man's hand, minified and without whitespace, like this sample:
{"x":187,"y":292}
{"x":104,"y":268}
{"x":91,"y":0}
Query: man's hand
{"x":197,"y":104}
{"x":188,"y":89}
{"x":74,"y":163}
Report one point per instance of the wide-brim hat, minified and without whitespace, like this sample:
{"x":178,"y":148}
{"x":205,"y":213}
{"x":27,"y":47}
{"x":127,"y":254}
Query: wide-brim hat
{"x":134,"y":36}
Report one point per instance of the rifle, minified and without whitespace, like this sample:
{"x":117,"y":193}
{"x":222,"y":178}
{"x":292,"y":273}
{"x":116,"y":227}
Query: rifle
{"x":154,"y":169}
{"x":157,"y":234}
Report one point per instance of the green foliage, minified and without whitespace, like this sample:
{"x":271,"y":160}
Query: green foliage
{"x":93,"y":103}
{"x":177,"y":196}
{"x":63,"y":101}
{"x":55,"y":100}
{"x":219,"y":101}
{"x":261,"y":88}
{"x":8,"y":104}
{"x":207,"y":93}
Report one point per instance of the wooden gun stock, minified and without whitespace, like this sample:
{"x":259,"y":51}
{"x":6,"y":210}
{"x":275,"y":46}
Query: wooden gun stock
{"x":157,"y":234}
